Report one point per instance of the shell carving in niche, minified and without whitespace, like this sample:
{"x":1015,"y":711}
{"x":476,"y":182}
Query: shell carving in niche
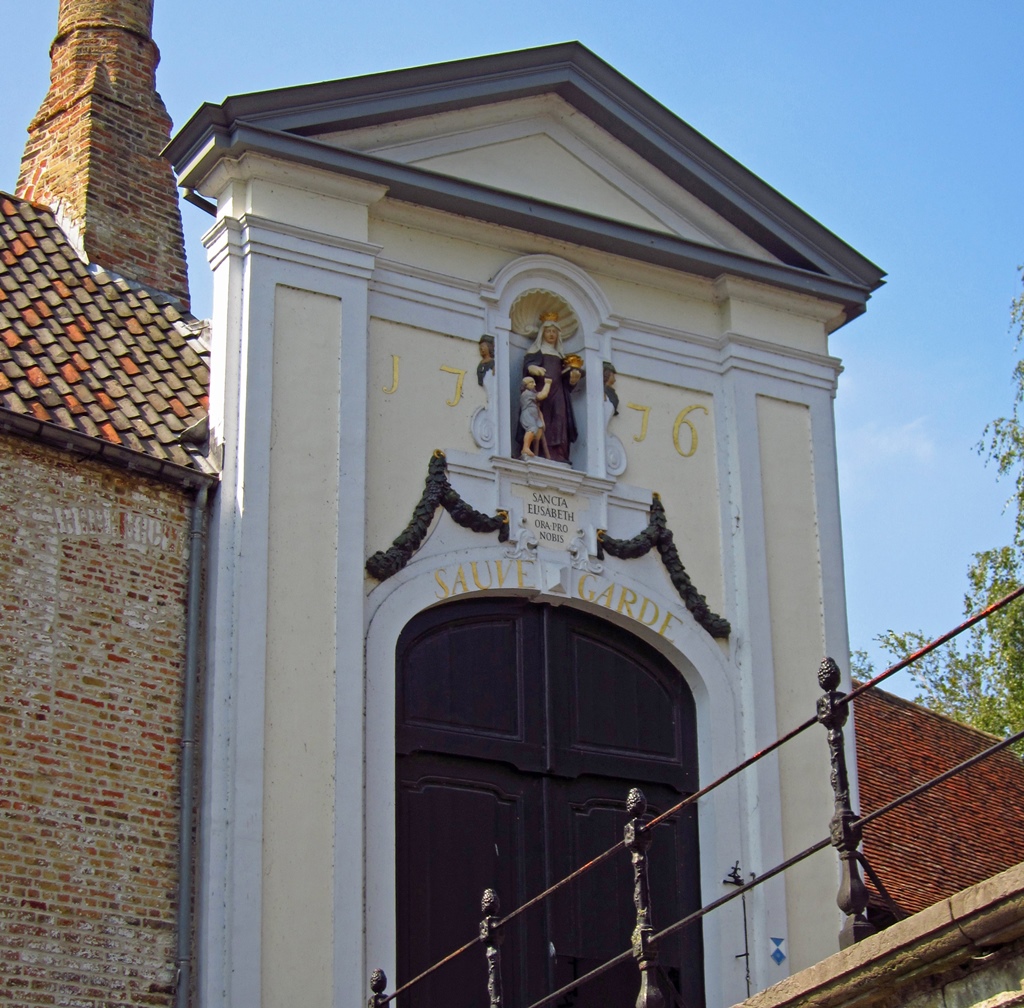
{"x":528,"y":308}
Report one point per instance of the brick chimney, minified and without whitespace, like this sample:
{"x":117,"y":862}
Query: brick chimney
{"x":93,"y":153}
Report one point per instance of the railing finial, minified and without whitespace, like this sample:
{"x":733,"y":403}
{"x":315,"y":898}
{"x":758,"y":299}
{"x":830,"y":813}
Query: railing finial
{"x":844,"y":827}
{"x":492,"y":935}
{"x":637,"y":840}
{"x":378,"y":982}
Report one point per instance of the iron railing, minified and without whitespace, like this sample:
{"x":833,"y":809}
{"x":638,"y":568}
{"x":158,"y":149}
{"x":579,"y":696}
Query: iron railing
{"x":845,"y":834}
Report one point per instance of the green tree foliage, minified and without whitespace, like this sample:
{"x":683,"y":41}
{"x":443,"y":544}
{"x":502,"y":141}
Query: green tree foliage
{"x":979,"y":677}
{"x":861,"y":668}
{"x":1004,"y":438}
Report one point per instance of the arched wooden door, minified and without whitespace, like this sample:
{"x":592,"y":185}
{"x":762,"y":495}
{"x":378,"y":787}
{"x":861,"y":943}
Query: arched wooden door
{"x":520,"y":730}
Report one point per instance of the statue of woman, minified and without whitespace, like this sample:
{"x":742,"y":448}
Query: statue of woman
{"x":546,"y":359}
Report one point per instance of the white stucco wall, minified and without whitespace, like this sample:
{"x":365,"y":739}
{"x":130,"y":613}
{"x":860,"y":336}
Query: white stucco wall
{"x":322,"y":285}
{"x":301,"y":643}
{"x":422,"y":391}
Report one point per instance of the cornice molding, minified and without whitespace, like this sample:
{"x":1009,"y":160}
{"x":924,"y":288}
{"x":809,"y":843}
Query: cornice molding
{"x":254,"y":166}
{"x":470,"y":199}
{"x":827,"y":312}
{"x":585,"y":82}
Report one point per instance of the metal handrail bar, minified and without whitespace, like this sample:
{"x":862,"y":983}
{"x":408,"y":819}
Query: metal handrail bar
{"x":430,"y":969}
{"x":689,"y":919}
{"x":781,"y":867}
{"x":852,"y":695}
{"x":728,"y":775}
{"x":938,"y":642}
{"x":862,"y":821}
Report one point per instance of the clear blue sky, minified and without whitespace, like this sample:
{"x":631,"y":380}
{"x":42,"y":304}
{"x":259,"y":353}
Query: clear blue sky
{"x":897,"y":124}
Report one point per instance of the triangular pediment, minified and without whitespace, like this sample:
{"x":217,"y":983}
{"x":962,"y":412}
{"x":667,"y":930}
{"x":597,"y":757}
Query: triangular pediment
{"x":540,"y":166}
{"x":551,"y":141}
{"x":543,"y":149}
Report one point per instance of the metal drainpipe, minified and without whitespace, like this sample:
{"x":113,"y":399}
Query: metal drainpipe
{"x":196,"y":561}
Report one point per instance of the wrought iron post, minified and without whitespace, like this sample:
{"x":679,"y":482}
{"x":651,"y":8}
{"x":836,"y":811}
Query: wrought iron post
{"x":378,"y":981}
{"x":637,"y":841}
{"x":844,"y":827}
{"x":492,"y":935}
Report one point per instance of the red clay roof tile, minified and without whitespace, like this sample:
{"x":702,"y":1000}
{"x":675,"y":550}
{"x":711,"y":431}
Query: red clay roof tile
{"x":65,"y":329}
{"x":959,"y":833}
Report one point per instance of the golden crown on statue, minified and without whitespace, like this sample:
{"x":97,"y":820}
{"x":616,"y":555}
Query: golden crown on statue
{"x":549,"y":316}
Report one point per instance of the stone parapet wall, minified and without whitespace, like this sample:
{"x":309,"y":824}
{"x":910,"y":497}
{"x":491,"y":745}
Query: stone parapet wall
{"x":92,"y":623}
{"x":963,"y":952}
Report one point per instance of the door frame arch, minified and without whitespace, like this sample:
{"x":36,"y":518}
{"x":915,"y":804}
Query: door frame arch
{"x":737,"y":817}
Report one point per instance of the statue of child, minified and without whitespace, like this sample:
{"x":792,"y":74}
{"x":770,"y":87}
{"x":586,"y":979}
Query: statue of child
{"x":529,"y":415}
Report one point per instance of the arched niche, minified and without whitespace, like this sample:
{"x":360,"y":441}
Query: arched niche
{"x":531,"y":286}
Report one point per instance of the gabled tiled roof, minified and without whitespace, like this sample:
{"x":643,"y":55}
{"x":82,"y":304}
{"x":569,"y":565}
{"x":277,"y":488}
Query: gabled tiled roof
{"x":84,"y":350}
{"x":955,"y":835}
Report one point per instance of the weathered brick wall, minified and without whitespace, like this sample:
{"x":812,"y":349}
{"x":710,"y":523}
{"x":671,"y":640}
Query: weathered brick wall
{"x":92,"y":617}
